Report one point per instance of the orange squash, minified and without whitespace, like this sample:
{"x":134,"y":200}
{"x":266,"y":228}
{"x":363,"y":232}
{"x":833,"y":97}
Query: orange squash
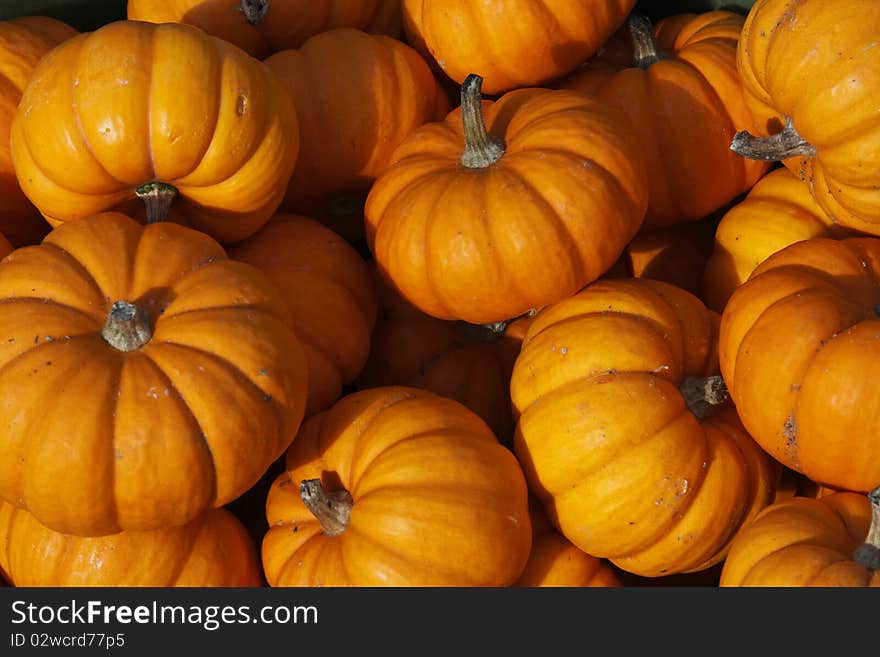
{"x":397,"y":486}
{"x":23,"y":42}
{"x":144,"y":377}
{"x":329,"y":291}
{"x":112,"y":110}
{"x":214,"y":549}
{"x":633,"y":465}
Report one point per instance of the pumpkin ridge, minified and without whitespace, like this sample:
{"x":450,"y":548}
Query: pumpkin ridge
{"x":185,"y":555}
{"x":86,"y":274}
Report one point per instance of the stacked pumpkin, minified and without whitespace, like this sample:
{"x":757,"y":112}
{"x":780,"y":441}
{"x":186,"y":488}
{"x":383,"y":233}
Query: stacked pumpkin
{"x":437,"y":288}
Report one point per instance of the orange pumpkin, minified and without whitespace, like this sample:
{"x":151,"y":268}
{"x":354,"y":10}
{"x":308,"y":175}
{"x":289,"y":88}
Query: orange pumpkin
{"x":828,"y":542}
{"x":799,"y":348}
{"x":212,"y":550}
{"x":810,"y":74}
{"x":144,"y":377}
{"x":683,"y":95}
{"x":330,"y":293}
{"x":23,"y":42}
{"x":111,"y":110}
{"x":628,"y":459}
{"x":778,"y":211}
{"x":262,"y":28}
{"x":397,"y":486}
{"x":466,"y":219}
{"x":526,"y":44}
{"x":555,"y":562}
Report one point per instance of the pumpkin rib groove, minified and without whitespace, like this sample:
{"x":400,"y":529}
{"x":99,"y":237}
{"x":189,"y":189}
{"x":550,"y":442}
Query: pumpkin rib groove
{"x":80,"y":267}
{"x":39,"y":345}
{"x":185,"y":555}
{"x":121,"y":361}
{"x":60,"y":306}
{"x":222,"y":309}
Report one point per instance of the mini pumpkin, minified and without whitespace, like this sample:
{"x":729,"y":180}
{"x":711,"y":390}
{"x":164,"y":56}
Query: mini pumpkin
{"x":110,"y":111}
{"x":144,"y":376}
{"x":397,"y":486}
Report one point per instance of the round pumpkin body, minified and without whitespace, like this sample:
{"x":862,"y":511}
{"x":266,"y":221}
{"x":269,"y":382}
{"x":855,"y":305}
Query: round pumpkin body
{"x":686,"y":104}
{"x":778,"y":211}
{"x":802,"y":542}
{"x":144,"y":377}
{"x":212,"y":550}
{"x":463,"y":237}
{"x":526,"y":44}
{"x":787,"y":52}
{"x":260,"y":27}
{"x":330,"y":293}
{"x":357,"y":97}
{"x":23,"y":42}
{"x":625,"y":468}
{"x":799,"y":348}
{"x":111,"y":110}
{"x":431,"y":498}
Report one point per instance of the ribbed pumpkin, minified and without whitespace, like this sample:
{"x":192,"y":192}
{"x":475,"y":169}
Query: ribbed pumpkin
{"x":831,"y":541}
{"x":397,"y":486}
{"x":484,"y":217}
{"x":134,"y":103}
{"x":683,"y":95}
{"x":330,"y":292}
{"x":778,"y":211}
{"x":811,"y":80}
{"x":526,"y":43}
{"x":23,"y":42}
{"x":799,"y":348}
{"x":261,"y":27}
{"x":630,"y":463}
{"x":144,"y":377}
{"x":212,"y":550}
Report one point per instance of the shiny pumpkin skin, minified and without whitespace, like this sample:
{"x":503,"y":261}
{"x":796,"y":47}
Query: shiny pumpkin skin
{"x":798,"y":348}
{"x":287,"y":24}
{"x":786,"y":53}
{"x":113,"y":107}
{"x":526,"y":44}
{"x":330,"y":292}
{"x":625,"y":470}
{"x":97,"y":440}
{"x":686,"y":109}
{"x":801,"y":542}
{"x":437,"y":500}
{"x":358,"y":96}
{"x":212,"y":550}
{"x":23,"y":42}
{"x":778,"y":211}
{"x":473,"y":243}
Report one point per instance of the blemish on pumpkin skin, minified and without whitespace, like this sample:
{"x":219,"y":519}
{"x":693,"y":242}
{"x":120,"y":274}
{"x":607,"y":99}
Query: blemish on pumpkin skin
{"x":241,"y":105}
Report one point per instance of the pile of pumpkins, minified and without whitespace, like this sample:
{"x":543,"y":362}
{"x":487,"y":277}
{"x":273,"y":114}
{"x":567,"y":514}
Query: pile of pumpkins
{"x":414,"y":293}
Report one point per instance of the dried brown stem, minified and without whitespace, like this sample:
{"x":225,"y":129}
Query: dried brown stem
{"x":703,"y":394}
{"x":254,"y":10}
{"x":127,"y":327}
{"x":868,"y":553}
{"x":480,"y":149}
{"x":645,"y":51}
{"x":158,"y":197}
{"x":784,"y":144}
{"x":332,"y":510}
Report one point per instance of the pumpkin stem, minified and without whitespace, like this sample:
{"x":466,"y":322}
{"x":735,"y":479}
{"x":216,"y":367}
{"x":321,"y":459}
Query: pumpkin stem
{"x":493,"y":331}
{"x":868,"y":554}
{"x":332,"y":510}
{"x":784,"y":144}
{"x":645,"y":51}
{"x":480,"y":149}
{"x":703,"y":394}
{"x":254,"y":10}
{"x":128,"y":327}
{"x":158,"y":197}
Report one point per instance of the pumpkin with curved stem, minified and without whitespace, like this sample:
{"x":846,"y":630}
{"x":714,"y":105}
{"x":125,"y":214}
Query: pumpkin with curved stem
{"x":778,"y":211}
{"x":261,"y":28}
{"x":23,"y":42}
{"x":110,"y":110}
{"x":214,"y":549}
{"x":830,"y":541}
{"x":624,"y":434}
{"x":358,"y":96}
{"x":397,"y":486}
{"x":526,"y":44}
{"x":683,"y":95}
{"x":830,"y":139}
{"x":465,"y":219}
{"x":144,"y":376}
{"x":799,"y":349}
{"x":330,"y":293}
